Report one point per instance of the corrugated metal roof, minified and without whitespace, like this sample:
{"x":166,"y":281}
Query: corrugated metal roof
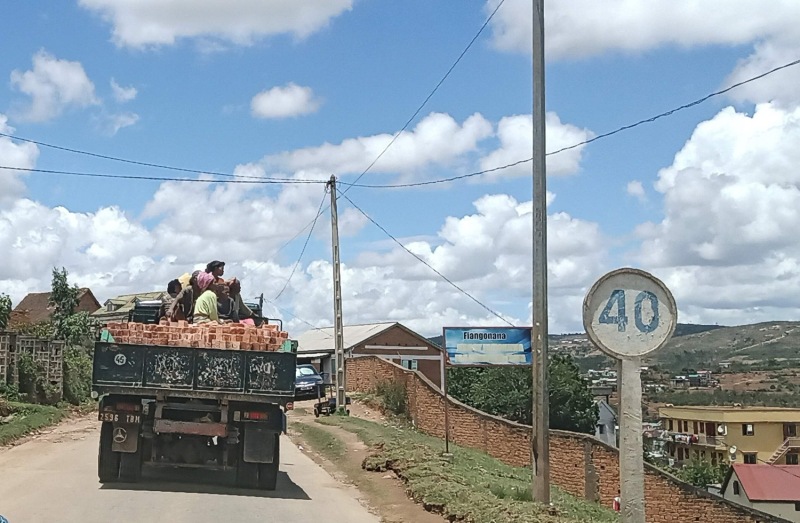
{"x":317,"y":340}
{"x":126,"y":302}
{"x":762,"y":482}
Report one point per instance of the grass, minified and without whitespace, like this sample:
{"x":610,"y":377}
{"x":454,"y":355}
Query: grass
{"x":321,"y":440}
{"x":470,"y":486}
{"x":26,"y":418}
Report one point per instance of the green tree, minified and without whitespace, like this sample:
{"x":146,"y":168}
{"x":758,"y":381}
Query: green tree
{"x":5,"y":310}
{"x":701,"y":473}
{"x":507,"y":391}
{"x":572,"y":405}
{"x":78,"y":332}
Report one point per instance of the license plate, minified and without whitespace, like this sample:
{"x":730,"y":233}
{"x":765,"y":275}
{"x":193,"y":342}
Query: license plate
{"x":117,"y":417}
{"x":307,"y":387}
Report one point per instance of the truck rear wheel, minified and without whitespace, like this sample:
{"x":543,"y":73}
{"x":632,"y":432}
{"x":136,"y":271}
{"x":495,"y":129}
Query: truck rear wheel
{"x":107,"y":459}
{"x":268,"y":472}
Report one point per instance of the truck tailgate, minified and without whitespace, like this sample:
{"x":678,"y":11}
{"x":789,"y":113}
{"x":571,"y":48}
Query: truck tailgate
{"x":193,"y":369}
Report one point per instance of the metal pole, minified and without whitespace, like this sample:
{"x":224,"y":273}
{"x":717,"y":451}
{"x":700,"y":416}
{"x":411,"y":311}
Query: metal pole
{"x":631,"y":463}
{"x":446,"y":413}
{"x":541,"y":416}
{"x":338,"y":326}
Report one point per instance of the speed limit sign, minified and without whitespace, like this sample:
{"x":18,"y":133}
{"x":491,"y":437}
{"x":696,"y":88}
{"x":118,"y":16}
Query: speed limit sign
{"x":629,"y":313}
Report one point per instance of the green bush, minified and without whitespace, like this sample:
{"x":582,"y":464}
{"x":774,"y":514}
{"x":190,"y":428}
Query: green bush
{"x":77,"y":375}
{"x":393,"y":396}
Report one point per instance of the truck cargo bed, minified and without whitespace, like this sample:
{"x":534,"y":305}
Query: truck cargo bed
{"x":150,"y":370}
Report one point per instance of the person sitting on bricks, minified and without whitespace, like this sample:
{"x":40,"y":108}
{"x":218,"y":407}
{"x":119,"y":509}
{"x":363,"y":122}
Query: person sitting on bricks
{"x":205,"y":307}
{"x":232,"y":306}
{"x":182,"y":306}
{"x":217,"y":269}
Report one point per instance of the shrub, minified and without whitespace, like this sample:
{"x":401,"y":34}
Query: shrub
{"x":393,"y":396}
{"x":77,"y":375}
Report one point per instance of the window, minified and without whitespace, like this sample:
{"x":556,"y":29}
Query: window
{"x":797,"y":507}
{"x":409,"y":364}
{"x":793,"y":458}
{"x":790,"y":430}
{"x":694,"y":426}
{"x":747,"y":429}
{"x":750,"y":458}
{"x":736,"y":487}
{"x":685,"y":426}
{"x":601,"y":429}
{"x":669,"y":425}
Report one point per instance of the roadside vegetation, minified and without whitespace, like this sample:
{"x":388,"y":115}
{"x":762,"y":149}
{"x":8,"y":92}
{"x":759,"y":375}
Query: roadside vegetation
{"x":469,"y":486}
{"x":32,"y":402}
{"x":507,"y":391}
{"x":20,"y":419}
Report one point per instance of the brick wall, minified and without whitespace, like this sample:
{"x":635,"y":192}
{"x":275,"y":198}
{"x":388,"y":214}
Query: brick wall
{"x":579,"y":463}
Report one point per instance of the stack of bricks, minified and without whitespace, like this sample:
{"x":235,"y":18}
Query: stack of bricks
{"x":236,"y":336}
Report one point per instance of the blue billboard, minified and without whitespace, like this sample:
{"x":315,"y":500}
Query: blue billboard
{"x":488,"y":345}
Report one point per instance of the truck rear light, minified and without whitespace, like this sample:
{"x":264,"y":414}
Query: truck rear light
{"x":127,"y":407}
{"x":253,"y":415}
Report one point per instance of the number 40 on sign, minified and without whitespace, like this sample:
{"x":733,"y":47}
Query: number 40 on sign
{"x":607,"y":313}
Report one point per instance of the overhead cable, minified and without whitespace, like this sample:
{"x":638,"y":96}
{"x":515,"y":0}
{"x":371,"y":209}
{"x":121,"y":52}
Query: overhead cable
{"x":585,"y":142}
{"x":299,"y":258}
{"x":445,"y":278}
{"x":427,"y":98}
{"x":252,"y":180}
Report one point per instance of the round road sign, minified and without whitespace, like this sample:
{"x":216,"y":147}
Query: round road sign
{"x":629,"y":313}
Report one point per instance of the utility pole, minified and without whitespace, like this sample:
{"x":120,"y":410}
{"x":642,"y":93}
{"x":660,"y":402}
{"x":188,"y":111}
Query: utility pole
{"x":338,"y":326}
{"x":540,"y":443}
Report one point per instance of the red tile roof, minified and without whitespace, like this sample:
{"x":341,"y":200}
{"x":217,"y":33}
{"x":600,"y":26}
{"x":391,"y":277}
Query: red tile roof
{"x":762,"y":482}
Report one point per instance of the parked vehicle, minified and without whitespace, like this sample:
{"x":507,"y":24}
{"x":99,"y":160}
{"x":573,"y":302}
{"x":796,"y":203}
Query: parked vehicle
{"x":192,"y":407}
{"x":307,"y":382}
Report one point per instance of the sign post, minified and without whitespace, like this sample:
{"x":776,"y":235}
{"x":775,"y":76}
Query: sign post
{"x":629,"y":313}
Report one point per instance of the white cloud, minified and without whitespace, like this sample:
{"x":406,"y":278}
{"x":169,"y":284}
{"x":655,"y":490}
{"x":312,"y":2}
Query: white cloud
{"x":22,"y":155}
{"x":636,"y":189}
{"x":53,"y":86}
{"x":123,"y":94}
{"x":728,"y":239}
{"x":140,"y":23}
{"x":779,"y":87}
{"x":590,"y":27}
{"x":284,"y":101}
{"x":110,"y":124}
{"x":436,"y":139}
{"x":516,"y":137}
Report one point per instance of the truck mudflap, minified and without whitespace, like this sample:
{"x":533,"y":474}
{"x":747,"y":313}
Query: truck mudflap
{"x":125,"y":438}
{"x":259,"y":442}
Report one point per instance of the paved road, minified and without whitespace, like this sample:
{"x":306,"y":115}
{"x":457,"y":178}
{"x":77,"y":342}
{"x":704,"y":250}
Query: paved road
{"x":53,"y":477}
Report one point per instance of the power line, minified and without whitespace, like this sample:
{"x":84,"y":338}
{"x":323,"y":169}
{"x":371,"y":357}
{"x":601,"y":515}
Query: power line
{"x":252,"y":180}
{"x":427,"y":98}
{"x":310,"y":232}
{"x":585,"y":142}
{"x":445,"y":278}
{"x":124,"y":160}
{"x":298,"y":318}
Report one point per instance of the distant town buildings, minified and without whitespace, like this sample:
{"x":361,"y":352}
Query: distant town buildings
{"x":737,"y":434}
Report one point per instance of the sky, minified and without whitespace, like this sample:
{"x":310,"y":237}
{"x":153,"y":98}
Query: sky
{"x":234,"y":115}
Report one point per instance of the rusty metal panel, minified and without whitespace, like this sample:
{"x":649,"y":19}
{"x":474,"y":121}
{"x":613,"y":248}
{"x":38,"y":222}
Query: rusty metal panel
{"x":169,"y":367}
{"x":220,"y":370}
{"x":270,"y":371}
{"x":165,"y":426}
{"x":118,"y":364}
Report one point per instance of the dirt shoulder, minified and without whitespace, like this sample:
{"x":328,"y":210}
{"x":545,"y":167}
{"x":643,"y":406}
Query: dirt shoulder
{"x":342,"y":453}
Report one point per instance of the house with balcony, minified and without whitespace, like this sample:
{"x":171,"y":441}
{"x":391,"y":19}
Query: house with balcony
{"x":736,"y":434}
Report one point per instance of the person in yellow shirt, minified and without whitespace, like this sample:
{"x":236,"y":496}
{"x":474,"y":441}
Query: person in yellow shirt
{"x":205,"y":307}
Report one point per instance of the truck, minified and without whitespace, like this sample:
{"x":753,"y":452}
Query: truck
{"x":192,"y":407}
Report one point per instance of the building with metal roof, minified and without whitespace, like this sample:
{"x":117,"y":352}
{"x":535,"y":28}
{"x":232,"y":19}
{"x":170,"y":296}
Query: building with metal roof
{"x":388,"y":340}
{"x":117,"y":309}
{"x":774,"y":489}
